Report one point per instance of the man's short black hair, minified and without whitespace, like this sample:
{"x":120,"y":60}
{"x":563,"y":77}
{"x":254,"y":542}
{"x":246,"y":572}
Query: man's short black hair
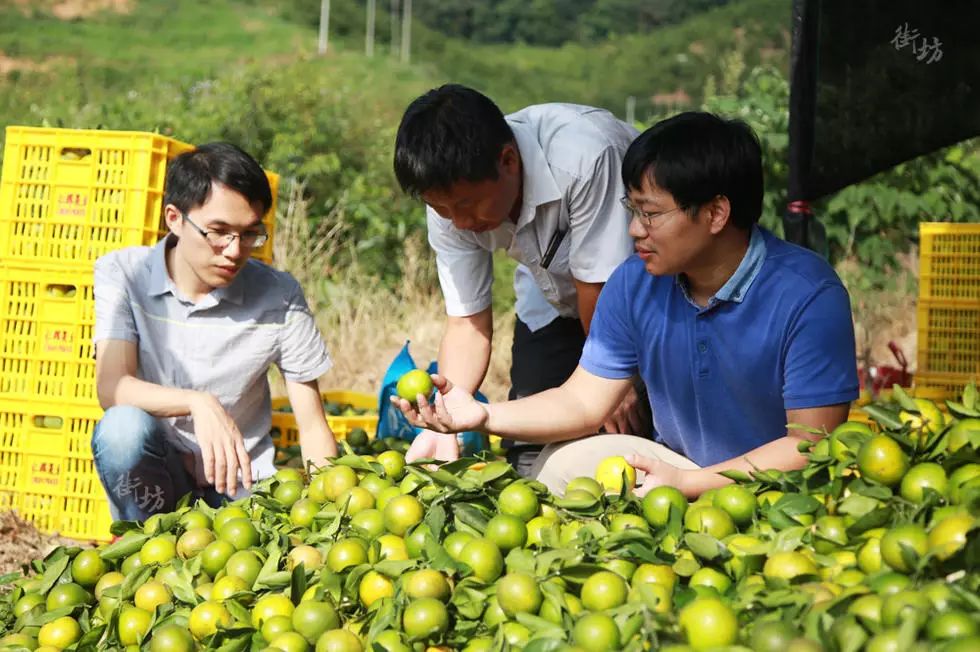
{"x":452,"y":133}
{"x":190,"y":175}
{"x":697,"y":156}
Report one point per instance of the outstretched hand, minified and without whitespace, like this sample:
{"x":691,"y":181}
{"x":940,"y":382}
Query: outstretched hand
{"x":658,"y":473}
{"x":453,"y":409}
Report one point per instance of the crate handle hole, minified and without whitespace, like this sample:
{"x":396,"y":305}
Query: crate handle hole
{"x":74,"y":153}
{"x":61,"y":290}
{"x":49,"y":422}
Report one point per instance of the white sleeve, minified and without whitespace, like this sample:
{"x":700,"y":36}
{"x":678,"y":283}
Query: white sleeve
{"x":465,"y":269}
{"x":598,"y":223}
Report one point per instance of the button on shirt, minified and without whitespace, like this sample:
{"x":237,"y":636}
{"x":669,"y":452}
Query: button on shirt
{"x":223,"y":345}
{"x":777,"y":336}
{"x":571,"y":157}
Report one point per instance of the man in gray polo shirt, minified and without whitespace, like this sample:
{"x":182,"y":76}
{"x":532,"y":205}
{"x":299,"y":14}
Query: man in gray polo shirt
{"x":185,"y":333}
{"x":543,"y":184}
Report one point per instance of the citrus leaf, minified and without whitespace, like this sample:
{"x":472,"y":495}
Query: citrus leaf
{"x":297,"y":583}
{"x":885,"y":417}
{"x":520,"y":559}
{"x":706,"y":546}
{"x":904,"y":399}
{"x":539,"y":625}
{"x":51,"y":575}
{"x":961,"y":411}
{"x":130,"y":543}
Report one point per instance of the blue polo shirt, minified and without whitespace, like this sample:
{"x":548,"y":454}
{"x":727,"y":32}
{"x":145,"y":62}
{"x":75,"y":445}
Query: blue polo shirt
{"x":777,"y":336}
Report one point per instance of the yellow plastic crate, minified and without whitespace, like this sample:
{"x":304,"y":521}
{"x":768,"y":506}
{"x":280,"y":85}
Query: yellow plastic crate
{"x":950,"y":384}
{"x":949,"y":262}
{"x":68,"y":196}
{"x":285,"y":432}
{"x":46,"y":321}
{"x":46,"y":470}
{"x":949,"y":338}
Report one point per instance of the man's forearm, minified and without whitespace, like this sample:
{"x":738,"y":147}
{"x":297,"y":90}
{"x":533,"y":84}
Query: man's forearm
{"x":549,"y":416}
{"x":781,"y":454}
{"x":154,"y":399}
{"x":464,"y":354}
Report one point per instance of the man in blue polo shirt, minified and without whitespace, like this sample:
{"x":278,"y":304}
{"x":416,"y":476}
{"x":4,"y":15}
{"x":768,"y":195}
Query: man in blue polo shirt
{"x":735,"y":332}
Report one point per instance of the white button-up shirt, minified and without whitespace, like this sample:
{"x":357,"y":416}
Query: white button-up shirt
{"x":571,"y":157}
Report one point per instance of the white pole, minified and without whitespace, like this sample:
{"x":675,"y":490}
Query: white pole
{"x":394,"y":27}
{"x":369,"y":30}
{"x":324,"y":26}
{"x":631,"y":109}
{"x":406,"y":31}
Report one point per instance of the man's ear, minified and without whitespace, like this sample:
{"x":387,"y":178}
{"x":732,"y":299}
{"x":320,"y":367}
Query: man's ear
{"x":173,"y":218}
{"x":719,"y":212}
{"x":510,"y":159}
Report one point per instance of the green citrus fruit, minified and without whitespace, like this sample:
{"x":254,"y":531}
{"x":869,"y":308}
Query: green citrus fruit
{"x":413,"y":383}
{"x":708,"y":623}
{"x":518,"y":593}
{"x":604,"y":590}
{"x":881,"y":459}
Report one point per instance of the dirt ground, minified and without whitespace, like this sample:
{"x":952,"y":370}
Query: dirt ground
{"x":20,"y":542}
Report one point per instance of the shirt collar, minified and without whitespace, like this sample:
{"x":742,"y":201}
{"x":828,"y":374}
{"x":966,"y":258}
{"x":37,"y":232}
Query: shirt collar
{"x":161,"y":283}
{"x":539,"y":186}
{"x":737,"y":286}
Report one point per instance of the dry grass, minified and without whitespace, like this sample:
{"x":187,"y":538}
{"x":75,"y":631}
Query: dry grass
{"x":364,"y":322}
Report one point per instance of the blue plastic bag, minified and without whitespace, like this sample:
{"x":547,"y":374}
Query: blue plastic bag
{"x":392,"y":423}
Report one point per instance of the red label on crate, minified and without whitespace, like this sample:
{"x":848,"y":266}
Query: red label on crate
{"x":72,"y":203}
{"x":47,"y":474}
{"x":58,"y":340}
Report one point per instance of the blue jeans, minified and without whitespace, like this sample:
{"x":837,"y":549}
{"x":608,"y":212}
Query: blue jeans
{"x":140,"y":470}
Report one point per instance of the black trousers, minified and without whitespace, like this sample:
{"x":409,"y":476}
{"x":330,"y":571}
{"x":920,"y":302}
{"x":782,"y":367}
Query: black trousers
{"x":541,"y":360}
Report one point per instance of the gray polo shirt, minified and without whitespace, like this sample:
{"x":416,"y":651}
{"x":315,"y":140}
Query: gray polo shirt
{"x":223,"y":345}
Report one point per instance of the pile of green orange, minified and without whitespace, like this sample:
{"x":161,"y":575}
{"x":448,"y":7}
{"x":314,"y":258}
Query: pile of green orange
{"x":873,"y":545}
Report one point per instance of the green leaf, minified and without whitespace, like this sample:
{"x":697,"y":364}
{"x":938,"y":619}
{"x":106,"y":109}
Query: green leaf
{"x":970,"y":398}
{"x":435,"y":518}
{"x":470,"y":602}
{"x":736,"y":475}
{"x":51,"y":575}
{"x":91,"y":638}
{"x":10,"y":577}
{"x":904,"y":399}
{"x":520,"y":559}
{"x":395,"y":568}
{"x":297,"y":583}
{"x":961,"y":411}
{"x":129,"y":544}
{"x":547,"y":644}
{"x":857,"y":505}
{"x":578,"y":573}
{"x":871,"y":520}
{"x":471,"y":515}
{"x":706,"y":546}
{"x":277,"y":580}
{"x":885,"y":417}
{"x":238,"y":611}
{"x":439,"y":559}
{"x":541,"y":627}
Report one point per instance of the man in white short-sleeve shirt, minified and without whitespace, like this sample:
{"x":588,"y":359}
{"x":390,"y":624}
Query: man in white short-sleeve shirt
{"x":185,"y":333}
{"x":544,"y":185}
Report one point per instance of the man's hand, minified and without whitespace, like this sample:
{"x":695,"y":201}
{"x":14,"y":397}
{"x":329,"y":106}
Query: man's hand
{"x":455,"y":409}
{"x":631,"y":417}
{"x":434,"y":445}
{"x":658,"y":473}
{"x":222,"y":448}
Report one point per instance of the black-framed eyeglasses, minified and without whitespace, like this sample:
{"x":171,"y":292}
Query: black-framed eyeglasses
{"x":646,"y":218}
{"x":222,"y":239}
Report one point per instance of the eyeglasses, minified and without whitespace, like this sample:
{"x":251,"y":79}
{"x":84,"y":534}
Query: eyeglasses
{"x":645,"y":218}
{"x":222,"y":239}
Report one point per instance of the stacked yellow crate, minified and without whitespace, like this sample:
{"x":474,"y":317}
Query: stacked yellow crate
{"x":66,"y":197}
{"x":949,"y":306}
